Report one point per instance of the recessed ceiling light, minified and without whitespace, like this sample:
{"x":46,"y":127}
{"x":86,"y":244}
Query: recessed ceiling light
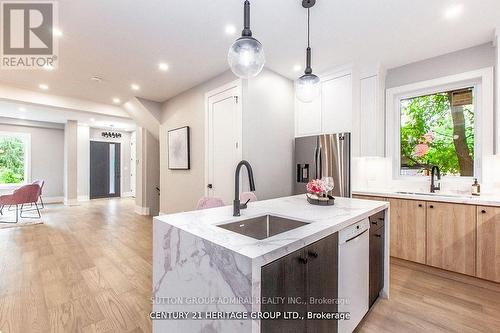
{"x":230,"y":29}
{"x":297,"y":67}
{"x":116,"y":100}
{"x":43,"y":86}
{"x":57,"y":32}
{"x":135,"y":86}
{"x":453,"y":11}
{"x":22,"y":109}
{"x":92,"y":119}
{"x":163,"y":66}
{"x":97,"y":79}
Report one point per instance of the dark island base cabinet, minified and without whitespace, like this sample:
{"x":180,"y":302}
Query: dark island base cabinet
{"x":308,"y":273}
{"x":377,"y":244}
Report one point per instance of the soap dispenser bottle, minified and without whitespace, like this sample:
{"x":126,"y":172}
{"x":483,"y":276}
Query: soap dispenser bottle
{"x":476,"y":188}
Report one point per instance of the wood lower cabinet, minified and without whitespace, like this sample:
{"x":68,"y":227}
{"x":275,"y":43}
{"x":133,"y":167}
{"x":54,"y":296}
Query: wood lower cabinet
{"x":308,"y":272}
{"x":451,"y":237}
{"x":408,"y":229}
{"x":488,"y":243}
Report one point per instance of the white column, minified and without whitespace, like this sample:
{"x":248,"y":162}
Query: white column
{"x":83,"y":162}
{"x":71,"y":163}
{"x":497,"y":90}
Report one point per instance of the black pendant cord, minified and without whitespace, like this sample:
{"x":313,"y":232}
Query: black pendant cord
{"x":308,"y":51}
{"x":246,"y":20}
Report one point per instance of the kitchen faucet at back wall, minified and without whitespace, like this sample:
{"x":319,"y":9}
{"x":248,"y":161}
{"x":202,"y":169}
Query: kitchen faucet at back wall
{"x":435,"y":171}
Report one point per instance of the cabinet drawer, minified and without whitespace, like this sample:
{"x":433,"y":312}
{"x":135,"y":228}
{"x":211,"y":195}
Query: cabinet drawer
{"x":377,"y":221}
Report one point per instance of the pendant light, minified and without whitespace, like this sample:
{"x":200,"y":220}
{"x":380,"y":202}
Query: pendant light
{"x":246,"y":55}
{"x":308,"y":86}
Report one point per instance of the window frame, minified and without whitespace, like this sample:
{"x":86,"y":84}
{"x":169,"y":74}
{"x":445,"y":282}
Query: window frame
{"x":481,"y":81}
{"x":26,"y":138}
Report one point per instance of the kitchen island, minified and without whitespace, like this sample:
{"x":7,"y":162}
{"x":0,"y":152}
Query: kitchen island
{"x":199,"y":266}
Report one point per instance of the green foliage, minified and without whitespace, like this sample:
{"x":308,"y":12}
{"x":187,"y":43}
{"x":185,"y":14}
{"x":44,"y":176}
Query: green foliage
{"x":432,"y":115}
{"x":11,"y":160}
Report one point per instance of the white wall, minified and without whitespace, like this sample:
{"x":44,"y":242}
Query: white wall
{"x":268,"y":132}
{"x":181,"y":189}
{"x":125,"y":155}
{"x":453,"y":63}
{"x":47,"y":155}
{"x":148,"y":173}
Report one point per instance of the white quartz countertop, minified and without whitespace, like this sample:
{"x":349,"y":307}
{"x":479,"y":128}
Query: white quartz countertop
{"x":482,"y":200}
{"x":323,"y":221}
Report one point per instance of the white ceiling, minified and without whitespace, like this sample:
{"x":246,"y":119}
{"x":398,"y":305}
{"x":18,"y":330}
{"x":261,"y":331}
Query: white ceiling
{"x":54,"y":115}
{"x":123,"y":41}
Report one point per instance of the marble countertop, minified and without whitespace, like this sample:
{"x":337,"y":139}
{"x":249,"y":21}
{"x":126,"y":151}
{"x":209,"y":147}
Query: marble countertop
{"x":482,"y":200}
{"x":323,"y":221}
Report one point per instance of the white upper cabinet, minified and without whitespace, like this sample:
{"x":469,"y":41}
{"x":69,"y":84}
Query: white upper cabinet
{"x":307,"y":117}
{"x":336,"y":104}
{"x":329,"y":113}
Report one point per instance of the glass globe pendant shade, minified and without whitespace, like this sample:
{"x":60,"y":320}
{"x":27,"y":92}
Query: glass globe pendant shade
{"x":307,"y":88}
{"x":246,"y":57}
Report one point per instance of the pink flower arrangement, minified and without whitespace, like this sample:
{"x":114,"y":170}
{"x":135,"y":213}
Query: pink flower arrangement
{"x":420,"y":150}
{"x":316,"y":186}
{"x":429,"y":137}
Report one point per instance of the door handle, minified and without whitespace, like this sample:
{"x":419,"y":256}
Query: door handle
{"x":313,"y":254}
{"x":303,"y":260}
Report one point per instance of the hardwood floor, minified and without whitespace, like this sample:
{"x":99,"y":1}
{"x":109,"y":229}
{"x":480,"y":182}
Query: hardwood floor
{"x":427,"y":299}
{"x":88,"y":269}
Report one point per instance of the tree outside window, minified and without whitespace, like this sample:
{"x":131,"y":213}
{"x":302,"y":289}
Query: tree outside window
{"x":12,"y":160}
{"x":438,"y":129}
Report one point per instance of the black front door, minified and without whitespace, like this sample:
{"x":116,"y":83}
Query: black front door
{"x":104,"y":169}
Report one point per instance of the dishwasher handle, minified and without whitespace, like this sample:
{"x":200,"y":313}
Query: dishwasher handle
{"x":355,"y":237}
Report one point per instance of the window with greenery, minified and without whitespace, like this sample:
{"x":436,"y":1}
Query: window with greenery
{"x":438,"y":129}
{"x":12,"y":159}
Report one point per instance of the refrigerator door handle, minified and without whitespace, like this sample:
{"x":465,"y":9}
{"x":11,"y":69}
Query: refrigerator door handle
{"x":320,"y":164}
{"x":316,"y":162}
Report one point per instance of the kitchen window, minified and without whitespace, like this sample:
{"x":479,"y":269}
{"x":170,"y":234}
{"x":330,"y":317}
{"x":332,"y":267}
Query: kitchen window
{"x":447,"y":122}
{"x":14,"y":158}
{"x":438,"y":129}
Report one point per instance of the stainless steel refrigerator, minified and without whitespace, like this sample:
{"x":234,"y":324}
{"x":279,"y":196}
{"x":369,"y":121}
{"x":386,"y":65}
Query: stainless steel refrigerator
{"x":327,"y":155}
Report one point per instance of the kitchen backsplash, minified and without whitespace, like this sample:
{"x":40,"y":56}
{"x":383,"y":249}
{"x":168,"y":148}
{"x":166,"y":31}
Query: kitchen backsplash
{"x":375,"y":173}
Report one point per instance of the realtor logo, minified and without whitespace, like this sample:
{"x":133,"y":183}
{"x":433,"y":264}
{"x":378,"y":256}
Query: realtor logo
{"x":28,"y":34}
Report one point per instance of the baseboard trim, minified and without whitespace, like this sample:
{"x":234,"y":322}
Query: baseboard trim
{"x":83,"y":198}
{"x":142,"y":210}
{"x":71,"y":202}
{"x":127,"y":194}
{"x":162,"y":213}
{"x":52,"y":200}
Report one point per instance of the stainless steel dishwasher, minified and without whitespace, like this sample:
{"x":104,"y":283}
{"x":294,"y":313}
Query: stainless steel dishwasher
{"x":354,"y":253}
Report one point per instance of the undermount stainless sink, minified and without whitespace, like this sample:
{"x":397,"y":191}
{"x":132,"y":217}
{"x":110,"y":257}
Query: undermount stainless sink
{"x":263,"y":226}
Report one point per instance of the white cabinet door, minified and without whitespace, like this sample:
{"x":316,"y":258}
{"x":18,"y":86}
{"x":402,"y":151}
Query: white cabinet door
{"x":307,"y":117}
{"x":372,"y":118}
{"x":336,"y":104}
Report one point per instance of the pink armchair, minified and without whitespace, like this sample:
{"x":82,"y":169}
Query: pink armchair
{"x":40,"y":183}
{"x":208,"y":202}
{"x":27,"y":194}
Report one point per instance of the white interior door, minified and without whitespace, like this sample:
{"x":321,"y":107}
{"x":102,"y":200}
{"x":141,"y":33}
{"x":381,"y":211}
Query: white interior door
{"x":223,"y":147}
